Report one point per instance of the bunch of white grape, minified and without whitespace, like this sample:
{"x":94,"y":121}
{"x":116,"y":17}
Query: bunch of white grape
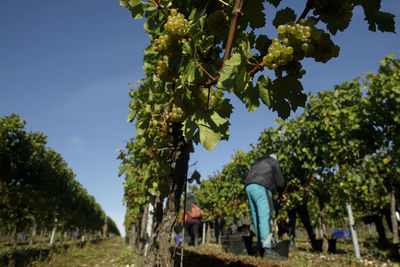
{"x":339,"y":10}
{"x":279,"y":54}
{"x":176,"y":114}
{"x":176,"y":25}
{"x":324,"y":49}
{"x":163,"y":68}
{"x":296,"y":41}
{"x":162,"y":43}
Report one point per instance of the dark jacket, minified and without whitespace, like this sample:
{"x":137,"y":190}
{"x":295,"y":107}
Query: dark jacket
{"x":266,"y":171}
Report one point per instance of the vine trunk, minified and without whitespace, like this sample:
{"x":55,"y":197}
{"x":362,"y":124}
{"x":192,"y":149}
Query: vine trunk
{"x":179,"y":174}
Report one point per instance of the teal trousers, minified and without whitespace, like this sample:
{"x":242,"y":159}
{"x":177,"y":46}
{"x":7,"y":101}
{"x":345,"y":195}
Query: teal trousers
{"x":260,"y":200}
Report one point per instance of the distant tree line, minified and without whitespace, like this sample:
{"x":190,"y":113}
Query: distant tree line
{"x":38,"y":191}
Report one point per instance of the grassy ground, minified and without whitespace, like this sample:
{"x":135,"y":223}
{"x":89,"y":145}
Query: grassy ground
{"x":110,"y":252}
{"x":114,"y":252}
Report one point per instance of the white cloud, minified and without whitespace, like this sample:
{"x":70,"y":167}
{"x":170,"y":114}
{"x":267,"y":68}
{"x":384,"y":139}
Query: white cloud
{"x":76,"y":140}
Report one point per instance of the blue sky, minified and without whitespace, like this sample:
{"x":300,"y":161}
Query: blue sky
{"x":65,"y":66}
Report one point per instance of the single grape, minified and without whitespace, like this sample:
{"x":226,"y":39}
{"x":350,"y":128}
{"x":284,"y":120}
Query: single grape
{"x":173,"y":12}
{"x":281,"y":29}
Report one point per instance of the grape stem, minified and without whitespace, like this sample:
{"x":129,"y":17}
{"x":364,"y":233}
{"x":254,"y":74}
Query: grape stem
{"x":308,"y":7}
{"x":256,"y":61}
{"x":256,"y":68}
{"x":158,"y":5}
{"x":252,"y":64}
{"x":237,"y":12}
{"x":223,"y":2}
{"x":206,"y":72}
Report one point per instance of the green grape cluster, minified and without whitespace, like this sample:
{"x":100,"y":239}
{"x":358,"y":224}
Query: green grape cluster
{"x":339,"y":10}
{"x":176,"y":114}
{"x":279,"y":54}
{"x":324,"y":48}
{"x":295,"y":42}
{"x":208,"y":96}
{"x":217,"y":23}
{"x":176,"y":25}
{"x":163,"y":68}
{"x":162,"y":43}
{"x":170,"y":43}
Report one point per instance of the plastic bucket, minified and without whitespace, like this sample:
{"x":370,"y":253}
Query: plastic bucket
{"x":282,"y":248}
{"x":237,"y":244}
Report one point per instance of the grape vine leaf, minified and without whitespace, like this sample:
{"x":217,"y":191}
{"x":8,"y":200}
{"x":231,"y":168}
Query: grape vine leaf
{"x":189,"y":128}
{"x":242,"y":82}
{"x":207,"y":44}
{"x":150,"y":60}
{"x":224,"y":108}
{"x":262,"y":44}
{"x":136,"y":8}
{"x":253,"y":14}
{"x":251,"y":96}
{"x":376,"y":18}
{"x":195,"y":177}
{"x":284,"y":16}
{"x":283,"y":108}
{"x":153,"y":25}
{"x":131,"y":116}
{"x":212,"y":129}
{"x":274,"y":2}
{"x":295,"y":95}
{"x":188,"y":72}
{"x":263,"y":85}
{"x":228,"y":74}
{"x":333,"y":26}
{"x":187,"y":49}
{"x":133,"y":3}
{"x":385,"y":21}
{"x":282,"y":95}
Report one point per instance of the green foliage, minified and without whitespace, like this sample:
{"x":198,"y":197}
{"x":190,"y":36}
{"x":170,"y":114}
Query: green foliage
{"x":112,"y":227}
{"x":284,"y":16}
{"x":223,"y":195}
{"x":200,"y":62}
{"x":36,"y":185}
{"x":344,"y":145}
{"x":384,"y":21}
{"x":191,"y":66}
